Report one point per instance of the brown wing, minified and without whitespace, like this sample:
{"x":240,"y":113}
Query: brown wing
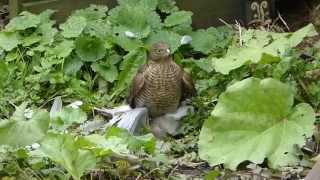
{"x":188,"y":88}
{"x":136,"y":86}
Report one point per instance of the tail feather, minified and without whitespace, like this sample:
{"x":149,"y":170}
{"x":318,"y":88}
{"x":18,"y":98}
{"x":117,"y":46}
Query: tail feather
{"x":133,"y":120}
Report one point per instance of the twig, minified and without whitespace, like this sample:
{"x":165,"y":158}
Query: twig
{"x":225,"y":23}
{"x":283,"y":21}
{"x":240,"y":33}
{"x":149,"y":173}
{"x":174,"y":169}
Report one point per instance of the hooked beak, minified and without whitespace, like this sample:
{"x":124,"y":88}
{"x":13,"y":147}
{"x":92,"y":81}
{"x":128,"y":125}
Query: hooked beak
{"x":168,"y":51}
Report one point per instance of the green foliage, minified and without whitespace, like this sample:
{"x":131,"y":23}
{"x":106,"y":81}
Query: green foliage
{"x":21,"y":130}
{"x":267,"y":126}
{"x":62,"y":149}
{"x":177,"y":18}
{"x":137,"y":143}
{"x":69,"y":116}
{"x":93,"y":57}
{"x":167,"y":6}
{"x":202,"y":40}
{"x":73,"y":27}
{"x":173,"y":39}
{"x":138,"y":23}
{"x":9,"y":40}
{"x":261,"y":47}
{"x":24,"y":21}
{"x":90,"y":49}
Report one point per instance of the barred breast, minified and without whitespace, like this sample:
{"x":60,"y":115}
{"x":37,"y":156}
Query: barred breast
{"x":161,"y":92}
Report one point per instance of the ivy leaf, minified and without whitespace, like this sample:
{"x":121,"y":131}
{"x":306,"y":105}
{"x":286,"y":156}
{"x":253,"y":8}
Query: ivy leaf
{"x":62,"y":149}
{"x":266,"y":126}
{"x":73,"y":27}
{"x":177,"y":18}
{"x":90,"y":49}
{"x":24,"y":21}
{"x":107,"y":72}
{"x":19,"y":132}
{"x":171,"y":38}
{"x":9,"y":40}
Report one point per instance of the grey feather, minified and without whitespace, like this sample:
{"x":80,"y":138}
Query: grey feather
{"x":56,"y":106}
{"x":170,"y":122}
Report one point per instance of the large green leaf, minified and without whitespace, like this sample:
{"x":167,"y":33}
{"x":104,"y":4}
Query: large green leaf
{"x":90,"y":49}
{"x":118,"y":141}
{"x":108,"y":72}
{"x":211,"y":40}
{"x":9,"y":40}
{"x":147,"y":4}
{"x":133,"y":19}
{"x":23,"y":21}
{"x":167,"y":6}
{"x":62,"y":149}
{"x":72,"y":65}
{"x":63,"y":49}
{"x":19,"y":131}
{"x":93,"y":12}
{"x":260,"y":46}
{"x":253,"y":120}
{"x":69,"y":116}
{"x":99,"y":28}
{"x":127,"y":43}
{"x":103,"y":146}
{"x":177,"y":18}
{"x":171,"y":38}
{"x":47,"y":33}
{"x":74,"y":26}
{"x":134,"y":143}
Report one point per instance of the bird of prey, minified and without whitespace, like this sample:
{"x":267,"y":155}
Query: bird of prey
{"x":160,"y":85}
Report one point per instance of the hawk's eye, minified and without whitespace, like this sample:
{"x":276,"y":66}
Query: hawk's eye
{"x":159,"y":50}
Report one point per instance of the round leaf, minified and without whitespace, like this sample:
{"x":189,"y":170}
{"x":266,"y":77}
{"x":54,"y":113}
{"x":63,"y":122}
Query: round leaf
{"x":19,"y":132}
{"x":254,"y":120}
{"x":171,"y":38}
{"x":90,"y":49}
{"x":73,"y":27}
{"x":177,"y":18}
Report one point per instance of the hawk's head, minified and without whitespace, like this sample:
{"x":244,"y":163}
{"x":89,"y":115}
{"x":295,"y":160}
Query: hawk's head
{"x":159,"y":51}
